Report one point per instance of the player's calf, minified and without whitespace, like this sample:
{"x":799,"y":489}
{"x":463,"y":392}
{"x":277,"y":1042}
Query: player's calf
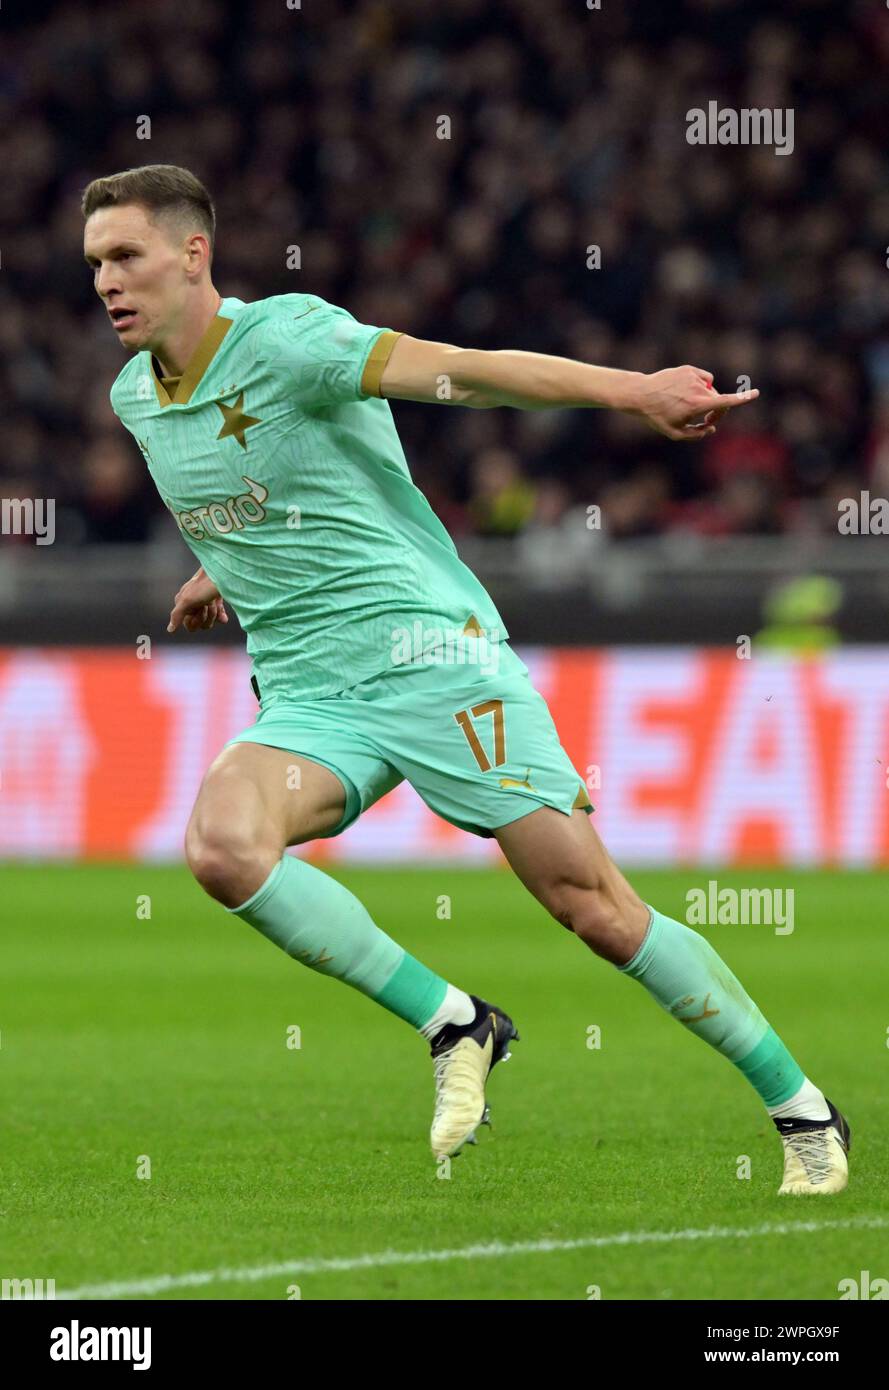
{"x":244,"y":817}
{"x":566,"y":866}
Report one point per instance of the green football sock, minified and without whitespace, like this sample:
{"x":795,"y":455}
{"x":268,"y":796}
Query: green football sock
{"x":681,"y":970}
{"x":319,"y":922}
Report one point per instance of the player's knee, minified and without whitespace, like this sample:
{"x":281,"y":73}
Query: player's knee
{"x":228,"y":863}
{"x":607,"y":921}
{"x":584,"y":908}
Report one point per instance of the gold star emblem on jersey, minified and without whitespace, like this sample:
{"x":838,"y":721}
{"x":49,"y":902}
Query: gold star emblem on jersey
{"x":235,"y":421}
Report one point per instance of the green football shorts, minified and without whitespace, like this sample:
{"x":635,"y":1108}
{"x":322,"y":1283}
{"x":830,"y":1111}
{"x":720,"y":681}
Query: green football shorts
{"x":478,"y":744}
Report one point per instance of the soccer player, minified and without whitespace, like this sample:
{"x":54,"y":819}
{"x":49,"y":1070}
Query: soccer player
{"x":377,"y":654}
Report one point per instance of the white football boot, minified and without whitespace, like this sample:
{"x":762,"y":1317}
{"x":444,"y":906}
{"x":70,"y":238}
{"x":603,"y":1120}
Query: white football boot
{"x":463,"y":1056}
{"x":815,"y":1154}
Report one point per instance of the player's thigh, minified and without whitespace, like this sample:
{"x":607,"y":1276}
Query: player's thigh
{"x":257,"y":795}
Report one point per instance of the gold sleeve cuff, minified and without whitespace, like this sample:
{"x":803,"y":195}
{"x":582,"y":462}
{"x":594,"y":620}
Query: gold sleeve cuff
{"x":373,"y":367}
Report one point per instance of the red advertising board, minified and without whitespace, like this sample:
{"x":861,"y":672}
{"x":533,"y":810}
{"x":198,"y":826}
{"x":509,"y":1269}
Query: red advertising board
{"x":692,"y":756}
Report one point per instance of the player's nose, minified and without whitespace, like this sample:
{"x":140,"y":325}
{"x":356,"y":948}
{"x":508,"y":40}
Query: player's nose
{"x":106,"y":283}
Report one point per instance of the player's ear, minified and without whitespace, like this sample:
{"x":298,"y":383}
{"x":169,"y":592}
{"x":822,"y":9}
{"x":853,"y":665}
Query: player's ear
{"x":197,"y":251}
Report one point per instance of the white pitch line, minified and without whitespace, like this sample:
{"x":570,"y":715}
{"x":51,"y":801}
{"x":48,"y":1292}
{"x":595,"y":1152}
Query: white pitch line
{"x":382,"y":1258}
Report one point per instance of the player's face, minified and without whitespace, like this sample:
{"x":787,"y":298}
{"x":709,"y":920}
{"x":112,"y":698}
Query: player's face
{"x":139,"y":273}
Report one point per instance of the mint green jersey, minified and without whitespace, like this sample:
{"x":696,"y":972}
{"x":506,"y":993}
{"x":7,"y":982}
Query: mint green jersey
{"x":283,"y":468}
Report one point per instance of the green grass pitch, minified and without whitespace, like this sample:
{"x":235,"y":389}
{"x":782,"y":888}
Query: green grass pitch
{"x":122,"y":1037}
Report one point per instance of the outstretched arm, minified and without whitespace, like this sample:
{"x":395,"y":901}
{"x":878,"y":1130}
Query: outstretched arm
{"x":679,"y":402}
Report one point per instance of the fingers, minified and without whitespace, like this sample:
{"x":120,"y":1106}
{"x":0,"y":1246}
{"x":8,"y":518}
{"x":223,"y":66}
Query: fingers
{"x":732,"y":399}
{"x":735,"y":398}
{"x":699,"y":429}
{"x":687,"y":405}
{"x":189,"y":618}
{"x":197,"y":618}
{"x":718,"y":405}
{"x":215,"y":612}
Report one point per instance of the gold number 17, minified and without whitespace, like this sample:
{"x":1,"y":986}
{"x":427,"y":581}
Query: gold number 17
{"x":495,"y":708}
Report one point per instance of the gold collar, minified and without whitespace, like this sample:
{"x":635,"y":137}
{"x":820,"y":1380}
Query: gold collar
{"x":197,"y":364}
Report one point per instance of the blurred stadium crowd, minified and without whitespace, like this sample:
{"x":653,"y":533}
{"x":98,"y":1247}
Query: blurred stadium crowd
{"x":318,"y":126}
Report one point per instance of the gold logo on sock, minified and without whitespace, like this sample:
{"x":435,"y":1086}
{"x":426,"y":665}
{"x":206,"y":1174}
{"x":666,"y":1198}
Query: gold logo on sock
{"x":320,"y":959}
{"x":695,"y":1018}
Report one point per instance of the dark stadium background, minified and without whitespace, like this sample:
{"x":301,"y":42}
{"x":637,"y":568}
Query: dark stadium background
{"x":317,"y":127}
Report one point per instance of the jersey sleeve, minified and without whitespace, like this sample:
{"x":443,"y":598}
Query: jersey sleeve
{"x":329,"y":357}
